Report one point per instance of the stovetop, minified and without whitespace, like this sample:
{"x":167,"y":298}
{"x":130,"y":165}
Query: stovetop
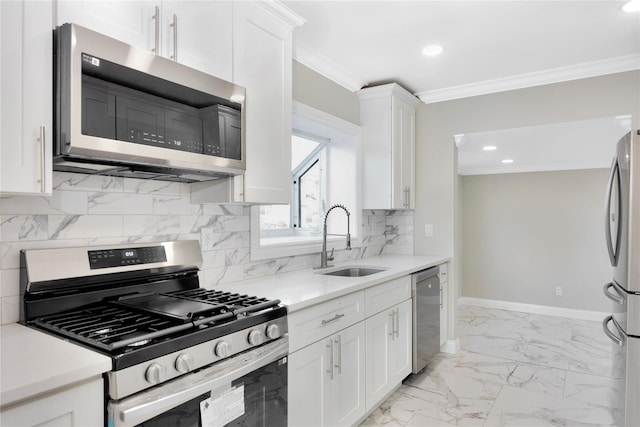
{"x":135,"y":328}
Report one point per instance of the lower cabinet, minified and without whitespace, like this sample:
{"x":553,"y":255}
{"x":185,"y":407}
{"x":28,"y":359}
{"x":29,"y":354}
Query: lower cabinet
{"x":82,"y":405}
{"x":327,"y":380}
{"x":388,"y":342}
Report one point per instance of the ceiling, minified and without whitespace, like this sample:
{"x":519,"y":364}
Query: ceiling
{"x":489,"y":46}
{"x":584,"y":144}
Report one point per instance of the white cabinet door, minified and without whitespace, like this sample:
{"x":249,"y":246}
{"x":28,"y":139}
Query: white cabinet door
{"x":403,"y":154}
{"x":326,"y":380}
{"x":378,"y":334}
{"x":26,"y":97}
{"x":132,"y":22}
{"x":262,"y":64}
{"x":309,"y":384}
{"x":203,"y":33}
{"x":82,"y":405}
{"x":388,"y":342}
{"x":348,"y":386}
{"x":387,"y":115}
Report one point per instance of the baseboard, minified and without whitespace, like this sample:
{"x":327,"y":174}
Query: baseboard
{"x":534,"y":309}
{"x":450,"y":346}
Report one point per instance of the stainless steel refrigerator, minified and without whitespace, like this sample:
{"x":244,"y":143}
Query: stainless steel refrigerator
{"x":622,"y":229}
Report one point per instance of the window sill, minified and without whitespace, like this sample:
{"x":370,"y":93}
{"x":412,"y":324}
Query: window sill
{"x":278,"y":247}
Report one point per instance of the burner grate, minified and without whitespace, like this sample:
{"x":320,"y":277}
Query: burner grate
{"x":234,"y":301}
{"x":111,"y":327}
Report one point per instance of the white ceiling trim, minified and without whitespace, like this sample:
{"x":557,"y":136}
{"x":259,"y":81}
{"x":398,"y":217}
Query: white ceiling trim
{"x":326,"y":67}
{"x":283,"y":13}
{"x":556,"y":75}
{"x":531,"y":168}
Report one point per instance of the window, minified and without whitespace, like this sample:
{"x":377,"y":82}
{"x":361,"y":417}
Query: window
{"x":324,"y":172}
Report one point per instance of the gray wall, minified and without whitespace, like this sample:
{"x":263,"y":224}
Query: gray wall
{"x":317,"y":91}
{"x":438,"y":200}
{"x":526,"y":233}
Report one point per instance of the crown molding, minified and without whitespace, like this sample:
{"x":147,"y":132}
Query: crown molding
{"x":386,"y":90}
{"x":556,"y":75}
{"x":326,"y":67}
{"x":282,"y":12}
{"x":459,"y":139}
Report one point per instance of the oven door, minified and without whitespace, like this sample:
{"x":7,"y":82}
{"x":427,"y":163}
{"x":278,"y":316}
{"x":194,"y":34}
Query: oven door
{"x":247,"y":389}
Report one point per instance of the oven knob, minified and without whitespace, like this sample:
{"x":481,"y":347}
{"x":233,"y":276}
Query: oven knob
{"x":155,"y":373}
{"x":223,"y":349}
{"x":184,"y":363}
{"x":256,"y":337}
{"x":273,"y":331}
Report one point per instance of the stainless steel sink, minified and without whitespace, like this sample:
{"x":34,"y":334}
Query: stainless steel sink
{"x":352,"y":271}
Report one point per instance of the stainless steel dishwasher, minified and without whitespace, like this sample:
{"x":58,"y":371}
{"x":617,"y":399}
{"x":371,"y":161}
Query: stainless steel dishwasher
{"x":425,"y":293}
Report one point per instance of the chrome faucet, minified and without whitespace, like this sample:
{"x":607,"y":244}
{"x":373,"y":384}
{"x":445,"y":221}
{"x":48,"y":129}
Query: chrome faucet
{"x":324,"y":257}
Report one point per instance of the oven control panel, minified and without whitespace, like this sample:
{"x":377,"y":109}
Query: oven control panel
{"x":128,"y":256}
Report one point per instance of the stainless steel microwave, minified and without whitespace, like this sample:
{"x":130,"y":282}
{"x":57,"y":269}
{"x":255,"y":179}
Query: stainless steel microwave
{"x":123,"y":111}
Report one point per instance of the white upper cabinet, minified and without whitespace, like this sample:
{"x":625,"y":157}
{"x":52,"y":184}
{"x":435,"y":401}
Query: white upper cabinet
{"x":387,"y":116}
{"x":198,"y":34}
{"x":195,"y":33}
{"x":26,"y":97}
{"x":262,"y":63}
{"x":132,"y":22}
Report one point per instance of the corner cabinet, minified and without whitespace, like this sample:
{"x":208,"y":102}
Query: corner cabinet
{"x":26,"y":92}
{"x":387,"y":117}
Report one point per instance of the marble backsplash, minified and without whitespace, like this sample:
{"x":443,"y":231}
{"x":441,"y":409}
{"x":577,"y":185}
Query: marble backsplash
{"x":96,"y":210}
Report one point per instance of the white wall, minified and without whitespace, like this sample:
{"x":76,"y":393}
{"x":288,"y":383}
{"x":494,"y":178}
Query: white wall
{"x":526,"y":233}
{"x":438,"y":201}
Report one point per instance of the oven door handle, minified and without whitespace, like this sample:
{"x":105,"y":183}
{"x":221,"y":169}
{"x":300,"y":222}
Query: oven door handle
{"x":143,"y":406}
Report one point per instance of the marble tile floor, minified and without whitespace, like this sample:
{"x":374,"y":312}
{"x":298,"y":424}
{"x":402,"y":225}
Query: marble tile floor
{"x":513,"y":369}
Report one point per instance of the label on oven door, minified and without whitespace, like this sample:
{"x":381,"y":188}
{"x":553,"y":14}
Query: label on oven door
{"x":223,"y":408}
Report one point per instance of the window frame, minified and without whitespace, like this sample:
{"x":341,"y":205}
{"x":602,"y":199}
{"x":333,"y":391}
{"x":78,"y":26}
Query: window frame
{"x":317,"y":125}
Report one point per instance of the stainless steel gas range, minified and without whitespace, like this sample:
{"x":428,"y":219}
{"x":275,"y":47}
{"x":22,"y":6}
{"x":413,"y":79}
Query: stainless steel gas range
{"x":181,"y":354}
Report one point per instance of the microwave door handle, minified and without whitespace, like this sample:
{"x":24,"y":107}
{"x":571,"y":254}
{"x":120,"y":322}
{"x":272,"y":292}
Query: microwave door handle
{"x":613,"y":253}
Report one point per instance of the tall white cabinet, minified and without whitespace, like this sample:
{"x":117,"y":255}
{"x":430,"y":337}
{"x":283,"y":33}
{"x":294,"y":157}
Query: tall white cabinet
{"x":25,"y":97}
{"x":387,"y":116}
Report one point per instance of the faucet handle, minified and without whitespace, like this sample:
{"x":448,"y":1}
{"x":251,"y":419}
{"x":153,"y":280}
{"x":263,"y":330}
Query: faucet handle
{"x":330,"y":256}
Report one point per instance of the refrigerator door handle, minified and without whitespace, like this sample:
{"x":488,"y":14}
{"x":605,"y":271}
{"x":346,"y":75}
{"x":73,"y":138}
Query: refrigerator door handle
{"x":614,"y":178}
{"x":620,"y":340}
{"x":614,"y":296}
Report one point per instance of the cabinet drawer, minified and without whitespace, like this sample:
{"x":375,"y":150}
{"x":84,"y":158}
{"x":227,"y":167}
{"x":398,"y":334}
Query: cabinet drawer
{"x":317,"y":322}
{"x":444,"y":270}
{"x":385,"y":295}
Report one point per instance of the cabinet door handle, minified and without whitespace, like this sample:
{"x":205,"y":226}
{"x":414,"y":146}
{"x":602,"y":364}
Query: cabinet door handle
{"x":43,"y":152}
{"x":339,"y":364}
{"x":440,"y":296}
{"x":393,"y":323}
{"x":407,"y":197}
{"x":174,"y":25}
{"x":397,"y":330}
{"x":156,"y":42}
{"x":333,"y":319}
{"x":330,"y":347}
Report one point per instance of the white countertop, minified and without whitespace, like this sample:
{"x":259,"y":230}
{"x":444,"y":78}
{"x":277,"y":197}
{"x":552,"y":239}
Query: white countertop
{"x":33,"y":362}
{"x":304,"y":288}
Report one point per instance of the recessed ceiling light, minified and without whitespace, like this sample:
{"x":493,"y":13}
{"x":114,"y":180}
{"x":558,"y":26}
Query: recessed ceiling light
{"x":432,"y":50}
{"x":631,"y":6}
{"x":489,"y":148}
{"x":505,"y":161}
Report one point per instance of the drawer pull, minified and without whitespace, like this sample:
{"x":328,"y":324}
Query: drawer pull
{"x":333,"y":319}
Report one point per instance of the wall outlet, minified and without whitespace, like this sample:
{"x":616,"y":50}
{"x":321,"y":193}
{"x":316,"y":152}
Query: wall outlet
{"x":428,"y":230}
{"x":559,"y":291}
